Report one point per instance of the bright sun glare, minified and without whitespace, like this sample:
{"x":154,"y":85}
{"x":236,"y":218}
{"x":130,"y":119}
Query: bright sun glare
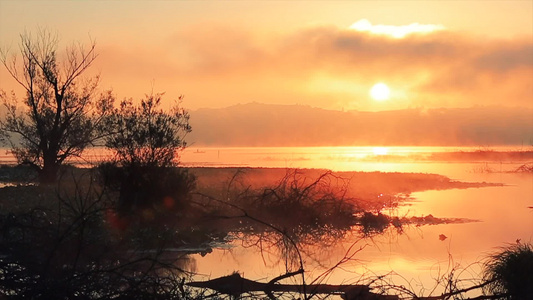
{"x":380,"y":92}
{"x":398,"y":32}
{"x":380,"y":150}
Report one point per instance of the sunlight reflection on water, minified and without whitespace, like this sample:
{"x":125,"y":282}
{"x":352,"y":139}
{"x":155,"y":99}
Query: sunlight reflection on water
{"x":417,"y":253}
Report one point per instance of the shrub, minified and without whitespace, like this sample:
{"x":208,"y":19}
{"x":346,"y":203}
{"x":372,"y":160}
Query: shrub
{"x":148,"y":187}
{"x":509,"y":273}
{"x":146,"y":141}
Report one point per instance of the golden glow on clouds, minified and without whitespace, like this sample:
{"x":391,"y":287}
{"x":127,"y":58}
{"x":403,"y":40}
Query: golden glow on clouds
{"x":398,"y":32}
{"x":220,"y":54}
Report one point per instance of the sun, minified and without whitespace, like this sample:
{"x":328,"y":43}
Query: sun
{"x":380,"y":150}
{"x":380,"y":92}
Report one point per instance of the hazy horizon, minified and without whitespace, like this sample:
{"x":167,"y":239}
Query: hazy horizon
{"x":416,"y":73}
{"x":259,"y":124}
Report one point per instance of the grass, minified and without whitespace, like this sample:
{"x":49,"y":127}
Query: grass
{"x":509,"y":272}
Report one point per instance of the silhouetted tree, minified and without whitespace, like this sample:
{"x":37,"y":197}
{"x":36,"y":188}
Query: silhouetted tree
{"x":63,"y":113}
{"x":146,"y":140}
{"x":145,"y":134}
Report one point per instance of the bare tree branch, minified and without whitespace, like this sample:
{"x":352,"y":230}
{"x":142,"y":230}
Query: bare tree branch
{"x":62,"y":116}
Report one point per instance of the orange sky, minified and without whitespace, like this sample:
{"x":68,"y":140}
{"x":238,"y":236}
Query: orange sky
{"x":221,"y":53}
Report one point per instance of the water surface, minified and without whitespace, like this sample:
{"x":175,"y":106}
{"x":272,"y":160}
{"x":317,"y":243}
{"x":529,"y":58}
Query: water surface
{"x":417,"y":256}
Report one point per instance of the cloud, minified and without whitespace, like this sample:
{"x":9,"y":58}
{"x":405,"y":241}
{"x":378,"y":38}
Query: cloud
{"x":501,"y":59}
{"x":330,"y":67}
{"x":395,"y":31}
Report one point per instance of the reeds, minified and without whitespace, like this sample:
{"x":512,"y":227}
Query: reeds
{"x":509,"y":273}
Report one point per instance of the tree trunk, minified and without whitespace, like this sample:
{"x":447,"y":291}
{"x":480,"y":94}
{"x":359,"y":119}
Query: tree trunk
{"x":48,"y":174}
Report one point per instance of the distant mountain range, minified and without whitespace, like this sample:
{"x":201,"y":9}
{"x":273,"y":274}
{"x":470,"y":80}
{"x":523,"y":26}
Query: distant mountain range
{"x":256,"y":124}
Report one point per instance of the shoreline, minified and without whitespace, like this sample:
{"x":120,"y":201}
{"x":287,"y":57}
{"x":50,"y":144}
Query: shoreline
{"x":376,"y":187}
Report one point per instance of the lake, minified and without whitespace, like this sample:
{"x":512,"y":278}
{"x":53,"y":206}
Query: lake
{"x":418,"y":256}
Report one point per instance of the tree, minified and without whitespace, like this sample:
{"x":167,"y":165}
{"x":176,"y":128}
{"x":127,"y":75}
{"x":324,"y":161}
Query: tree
{"x":146,"y":135}
{"x":146,"y":140}
{"x":63,"y":112}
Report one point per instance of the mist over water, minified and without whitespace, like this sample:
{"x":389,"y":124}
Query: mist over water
{"x":419,"y":252}
{"x":370,"y":158}
{"x":436,"y":160}
{"x":501,"y":214}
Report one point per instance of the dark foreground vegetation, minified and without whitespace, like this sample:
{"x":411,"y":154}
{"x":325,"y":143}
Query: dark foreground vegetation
{"x":92,"y":237}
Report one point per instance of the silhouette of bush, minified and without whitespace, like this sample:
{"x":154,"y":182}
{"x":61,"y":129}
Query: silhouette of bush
{"x":374,"y":223}
{"x":17,"y":174}
{"x":145,"y":134}
{"x":72,"y":250}
{"x":146,"y":141}
{"x":141,"y":188}
{"x":509,"y":273}
{"x":300,"y":205}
